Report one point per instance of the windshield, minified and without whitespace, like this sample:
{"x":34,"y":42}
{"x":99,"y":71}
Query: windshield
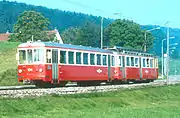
{"x":38,"y":55}
{"x":33,"y":56}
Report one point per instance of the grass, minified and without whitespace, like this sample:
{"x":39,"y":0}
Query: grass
{"x":157,"y":102}
{"x":8,"y":63}
{"x":8,"y":55}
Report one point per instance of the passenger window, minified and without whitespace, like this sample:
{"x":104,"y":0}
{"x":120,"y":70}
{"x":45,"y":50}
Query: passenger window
{"x":92,"y":59}
{"x":156,"y":63}
{"x":48,"y":56}
{"x":147,"y":61}
{"x":120,"y":60}
{"x":71,"y":57}
{"x":132,"y":61}
{"x":136,"y":62}
{"x":105,"y":60}
{"x":63,"y":57}
{"x":127,"y":61}
{"x":113,"y":61}
{"x":144,"y":62}
{"x":85,"y":58}
{"x":151,"y":63}
{"x":78,"y":57}
{"x":98,"y":59}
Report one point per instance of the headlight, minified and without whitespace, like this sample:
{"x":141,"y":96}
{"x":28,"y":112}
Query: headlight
{"x":29,"y":69}
{"x":40,"y":70}
{"x":20,"y":71}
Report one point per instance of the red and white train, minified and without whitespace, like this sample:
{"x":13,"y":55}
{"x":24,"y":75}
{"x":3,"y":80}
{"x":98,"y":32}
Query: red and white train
{"x":57,"y":64}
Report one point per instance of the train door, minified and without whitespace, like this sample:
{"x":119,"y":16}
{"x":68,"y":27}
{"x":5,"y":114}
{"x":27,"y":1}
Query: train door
{"x":123,"y":67}
{"x":55,"y":65}
{"x":140,"y":66}
{"x":109,"y":67}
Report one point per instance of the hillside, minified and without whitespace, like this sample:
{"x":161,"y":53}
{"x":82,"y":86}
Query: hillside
{"x":61,"y":20}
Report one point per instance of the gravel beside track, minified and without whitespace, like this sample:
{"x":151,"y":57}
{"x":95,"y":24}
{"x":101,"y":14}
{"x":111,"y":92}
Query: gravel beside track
{"x":20,"y":93}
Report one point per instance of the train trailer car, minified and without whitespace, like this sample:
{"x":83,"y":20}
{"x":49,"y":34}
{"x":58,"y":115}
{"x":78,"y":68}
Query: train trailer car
{"x":56,"y":64}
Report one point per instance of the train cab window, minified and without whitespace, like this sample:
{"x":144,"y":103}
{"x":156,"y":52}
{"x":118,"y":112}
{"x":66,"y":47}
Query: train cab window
{"x":38,"y":55}
{"x":29,"y":56}
{"x":78,"y":57}
{"x":144,"y":62}
{"x":22,"y":56}
{"x":151,"y":63}
{"x":113,"y":61}
{"x":104,"y":60}
{"x":147,"y":63}
{"x":63,"y":57}
{"x":98,"y":59}
{"x":92,"y":59}
{"x":127,"y":61}
{"x":48,"y":56}
{"x":137,"y":62}
{"x":71,"y":57}
{"x":132,"y":61}
{"x":85,"y":58}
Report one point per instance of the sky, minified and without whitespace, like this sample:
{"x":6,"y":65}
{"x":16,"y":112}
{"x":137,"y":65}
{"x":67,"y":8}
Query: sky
{"x":144,"y":12}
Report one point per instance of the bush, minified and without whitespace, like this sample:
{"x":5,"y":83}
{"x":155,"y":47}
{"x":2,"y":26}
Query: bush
{"x":9,"y":77}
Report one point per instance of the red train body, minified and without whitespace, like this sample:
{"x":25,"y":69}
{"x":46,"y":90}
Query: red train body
{"x":54,"y":63}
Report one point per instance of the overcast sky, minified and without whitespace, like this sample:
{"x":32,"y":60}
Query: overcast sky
{"x":144,"y":12}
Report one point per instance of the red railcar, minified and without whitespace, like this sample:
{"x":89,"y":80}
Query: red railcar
{"x":54,"y":63}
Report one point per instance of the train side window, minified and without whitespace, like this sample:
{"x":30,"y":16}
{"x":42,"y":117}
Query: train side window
{"x":127,"y":61}
{"x":104,"y":60}
{"x":113,"y":61}
{"x":98,"y":59}
{"x":151,"y":63}
{"x":132,"y":61}
{"x":156,"y":63}
{"x":71,"y":57}
{"x":48,"y":56}
{"x":147,"y":63}
{"x":144,"y":62}
{"x":92,"y":59}
{"x":85,"y":58}
{"x":78,"y":57}
{"x":63,"y":57}
{"x":137,"y":62}
{"x":120,"y":59}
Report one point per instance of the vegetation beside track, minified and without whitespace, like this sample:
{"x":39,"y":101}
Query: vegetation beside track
{"x":8,"y":63}
{"x":154,"y":102}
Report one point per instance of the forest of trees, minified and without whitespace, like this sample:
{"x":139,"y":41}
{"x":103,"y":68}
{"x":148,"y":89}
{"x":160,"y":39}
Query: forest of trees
{"x":86,"y":28}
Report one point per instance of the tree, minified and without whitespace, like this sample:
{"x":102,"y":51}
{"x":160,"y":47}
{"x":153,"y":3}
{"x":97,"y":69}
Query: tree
{"x":30,"y":23}
{"x":88,"y":35}
{"x":126,"y":33}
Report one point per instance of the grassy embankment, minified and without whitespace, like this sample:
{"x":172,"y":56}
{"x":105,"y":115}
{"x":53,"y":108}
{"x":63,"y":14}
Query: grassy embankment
{"x":157,"y":102}
{"x":8,"y":63}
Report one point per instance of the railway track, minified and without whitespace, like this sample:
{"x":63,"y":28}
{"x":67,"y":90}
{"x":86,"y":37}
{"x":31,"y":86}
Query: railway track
{"x":24,"y":91}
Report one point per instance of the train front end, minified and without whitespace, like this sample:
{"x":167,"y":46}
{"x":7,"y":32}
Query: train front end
{"x":31,"y":62}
